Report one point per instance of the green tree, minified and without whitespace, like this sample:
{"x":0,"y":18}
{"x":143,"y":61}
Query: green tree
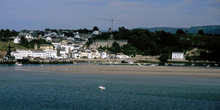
{"x":24,"y":42}
{"x":129,"y":50}
{"x":4,"y":35}
{"x":102,"y":48}
{"x":180,"y":31}
{"x":200,"y":32}
{"x":95,"y":28}
{"x":115,"y":48}
{"x":164,"y":57}
{"x":38,"y":42}
{"x":1,"y":34}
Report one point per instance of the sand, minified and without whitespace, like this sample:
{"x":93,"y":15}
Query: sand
{"x":211,"y":72}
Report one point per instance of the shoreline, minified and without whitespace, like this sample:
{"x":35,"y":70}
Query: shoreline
{"x":203,"y":72}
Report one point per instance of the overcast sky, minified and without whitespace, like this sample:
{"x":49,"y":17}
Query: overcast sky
{"x":75,"y":14}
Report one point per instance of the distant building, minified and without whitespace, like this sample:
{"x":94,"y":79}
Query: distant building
{"x":107,"y":42}
{"x":35,"y":46}
{"x":48,"y":39}
{"x":20,"y":54}
{"x":77,"y":35}
{"x":17,"y":40}
{"x":122,"y":57}
{"x":29,"y":37}
{"x":179,"y":56}
{"x":46,"y":46}
{"x":38,"y":54}
{"x":103,"y":55}
{"x":96,"y":33}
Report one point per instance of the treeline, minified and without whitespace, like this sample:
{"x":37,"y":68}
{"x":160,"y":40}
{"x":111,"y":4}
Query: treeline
{"x":5,"y":35}
{"x":144,"y":42}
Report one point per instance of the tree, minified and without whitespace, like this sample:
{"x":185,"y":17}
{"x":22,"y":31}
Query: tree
{"x":95,"y":28}
{"x":115,"y":48}
{"x":4,"y":35}
{"x":1,"y":34}
{"x":164,"y":57}
{"x":180,"y":31}
{"x":38,"y":42}
{"x":102,"y":48}
{"x":130,"y":50}
{"x":200,"y":32}
{"x":122,"y":29}
{"x":24,"y":42}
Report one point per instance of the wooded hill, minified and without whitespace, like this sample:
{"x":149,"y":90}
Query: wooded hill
{"x":144,"y":42}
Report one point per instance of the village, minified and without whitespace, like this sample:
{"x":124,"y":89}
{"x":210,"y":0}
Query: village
{"x":62,"y":48}
{"x":70,"y":46}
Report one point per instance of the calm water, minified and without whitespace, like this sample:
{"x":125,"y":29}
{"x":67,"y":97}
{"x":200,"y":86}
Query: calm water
{"x":45,"y":90}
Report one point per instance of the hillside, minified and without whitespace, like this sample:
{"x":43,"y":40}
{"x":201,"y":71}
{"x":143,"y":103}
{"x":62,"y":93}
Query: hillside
{"x":4,"y":47}
{"x":212,"y":29}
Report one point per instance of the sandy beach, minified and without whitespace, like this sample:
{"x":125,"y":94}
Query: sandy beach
{"x":212,"y":72}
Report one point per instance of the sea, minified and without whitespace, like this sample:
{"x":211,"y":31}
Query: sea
{"x":31,"y":90}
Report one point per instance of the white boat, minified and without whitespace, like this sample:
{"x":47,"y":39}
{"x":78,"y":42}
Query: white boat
{"x":101,"y":87}
{"x":18,"y":64}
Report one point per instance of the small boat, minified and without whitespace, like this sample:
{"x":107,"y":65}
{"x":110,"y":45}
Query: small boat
{"x":18,"y":64}
{"x":101,"y":87}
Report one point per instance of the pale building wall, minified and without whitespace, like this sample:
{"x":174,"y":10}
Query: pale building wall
{"x":177,"y":56}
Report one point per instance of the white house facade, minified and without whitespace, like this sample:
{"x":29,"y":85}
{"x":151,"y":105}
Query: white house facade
{"x":17,"y":40}
{"x":20,"y":54}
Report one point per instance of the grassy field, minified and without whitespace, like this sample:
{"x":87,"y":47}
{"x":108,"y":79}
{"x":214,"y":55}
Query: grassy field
{"x":4,"y":47}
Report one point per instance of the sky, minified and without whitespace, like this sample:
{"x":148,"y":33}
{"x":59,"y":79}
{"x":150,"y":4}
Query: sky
{"x":76,"y":14}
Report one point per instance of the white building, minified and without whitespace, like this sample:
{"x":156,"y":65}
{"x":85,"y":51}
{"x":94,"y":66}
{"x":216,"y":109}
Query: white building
{"x":96,"y":54}
{"x":178,"y":56}
{"x":51,"y":53}
{"x":48,"y":39}
{"x":103,"y":55}
{"x":89,"y":54}
{"x":17,"y":40}
{"x":20,"y":54}
{"x":96,"y":32}
{"x":77,"y":35}
{"x":63,"y":54}
{"x":122,"y":56}
{"x":56,"y":45}
{"x":28,"y":36}
{"x":38,"y":53}
{"x":75,"y":55}
{"x":83,"y":54}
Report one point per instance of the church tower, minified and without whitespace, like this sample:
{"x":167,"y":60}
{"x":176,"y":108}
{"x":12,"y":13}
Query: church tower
{"x":35,"y":46}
